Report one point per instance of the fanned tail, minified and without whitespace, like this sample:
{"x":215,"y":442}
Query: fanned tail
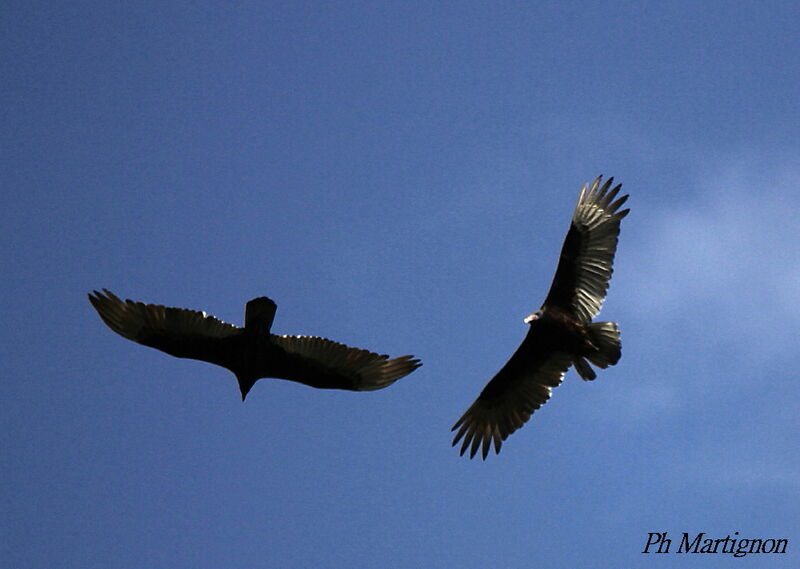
{"x":605,"y":335}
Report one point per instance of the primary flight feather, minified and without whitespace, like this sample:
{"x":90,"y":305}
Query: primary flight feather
{"x":561,"y":332}
{"x":251,"y":352}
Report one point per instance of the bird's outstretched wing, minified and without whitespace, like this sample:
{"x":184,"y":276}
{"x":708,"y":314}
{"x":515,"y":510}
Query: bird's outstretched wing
{"x":587,"y":256}
{"x":179,"y":332}
{"x":508,"y":400}
{"x":327,"y":364}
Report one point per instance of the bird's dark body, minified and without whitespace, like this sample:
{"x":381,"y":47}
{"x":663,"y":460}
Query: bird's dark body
{"x":556,"y":329}
{"x":553,"y":331}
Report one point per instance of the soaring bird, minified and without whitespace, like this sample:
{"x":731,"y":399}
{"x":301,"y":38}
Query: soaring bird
{"x":251,"y":352}
{"x":561,"y":332}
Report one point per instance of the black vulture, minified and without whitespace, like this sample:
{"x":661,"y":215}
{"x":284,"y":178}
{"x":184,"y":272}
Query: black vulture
{"x":561,"y":332}
{"x":251,"y":352}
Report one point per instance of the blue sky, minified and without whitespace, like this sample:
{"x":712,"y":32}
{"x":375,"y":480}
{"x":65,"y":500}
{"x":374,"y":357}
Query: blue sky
{"x":399,"y":177}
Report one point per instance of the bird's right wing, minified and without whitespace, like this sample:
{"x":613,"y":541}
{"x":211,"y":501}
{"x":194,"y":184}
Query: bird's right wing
{"x":587,"y":256}
{"x":327,"y":364}
{"x":507,"y":402}
{"x":179,"y":332}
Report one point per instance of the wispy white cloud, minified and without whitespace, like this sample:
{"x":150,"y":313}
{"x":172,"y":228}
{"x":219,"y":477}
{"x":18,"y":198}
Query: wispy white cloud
{"x":723,"y":261}
{"x":707,"y":289}
{"x":724,"y":466}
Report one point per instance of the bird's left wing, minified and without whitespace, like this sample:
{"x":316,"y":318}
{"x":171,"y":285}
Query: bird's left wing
{"x":327,"y":364}
{"x":177,"y":331}
{"x":587,"y":256}
{"x":506,"y":403}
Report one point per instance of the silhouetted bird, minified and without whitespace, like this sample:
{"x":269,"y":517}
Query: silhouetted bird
{"x":561,"y":332}
{"x":251,"y":352}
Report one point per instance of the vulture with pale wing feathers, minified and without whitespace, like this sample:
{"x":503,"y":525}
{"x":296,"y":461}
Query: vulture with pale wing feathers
{"x":561,"y":332}
{"x":251,"y":352}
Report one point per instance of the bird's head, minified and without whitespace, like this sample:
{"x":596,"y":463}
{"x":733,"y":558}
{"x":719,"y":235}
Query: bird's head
{"x":245,"y":385}
{"x":531,"y":317}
